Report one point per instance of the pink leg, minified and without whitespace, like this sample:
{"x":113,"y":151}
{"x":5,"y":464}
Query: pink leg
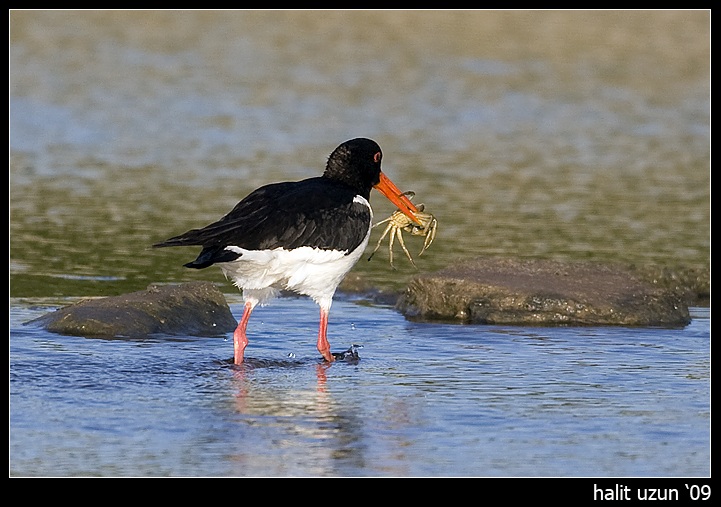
{"x":240,"y":341}
{"x":323,"y":345}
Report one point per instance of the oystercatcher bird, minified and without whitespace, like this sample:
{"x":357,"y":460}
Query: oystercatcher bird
{"x":303,"y":236}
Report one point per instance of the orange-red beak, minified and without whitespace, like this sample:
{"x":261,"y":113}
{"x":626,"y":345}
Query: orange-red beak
{"x":386,"y":187}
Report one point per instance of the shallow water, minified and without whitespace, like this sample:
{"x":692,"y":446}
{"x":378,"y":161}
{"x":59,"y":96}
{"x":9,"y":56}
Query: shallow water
{"x":567,"y":135}
{"x":423,"y":400}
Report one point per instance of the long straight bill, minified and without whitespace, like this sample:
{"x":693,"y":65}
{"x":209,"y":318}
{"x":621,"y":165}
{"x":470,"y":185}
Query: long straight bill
{"x":386,"y":187}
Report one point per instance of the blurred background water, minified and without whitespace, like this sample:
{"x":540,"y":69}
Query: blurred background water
{"x":563,"y":134}
{"x":582,"y":135}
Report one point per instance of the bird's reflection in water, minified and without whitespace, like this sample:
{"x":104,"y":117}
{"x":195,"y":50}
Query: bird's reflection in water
{"x":313,"y":429}
{"x":256,"y":398}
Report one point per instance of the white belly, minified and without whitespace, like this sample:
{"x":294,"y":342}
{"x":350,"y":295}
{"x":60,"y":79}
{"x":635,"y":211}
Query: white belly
{"x":308,"y":271}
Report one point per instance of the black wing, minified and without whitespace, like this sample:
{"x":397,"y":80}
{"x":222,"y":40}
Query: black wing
{"x":316,"y":212}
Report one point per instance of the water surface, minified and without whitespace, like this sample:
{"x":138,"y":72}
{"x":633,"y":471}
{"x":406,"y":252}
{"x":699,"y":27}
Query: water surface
{"x":424,"y":400}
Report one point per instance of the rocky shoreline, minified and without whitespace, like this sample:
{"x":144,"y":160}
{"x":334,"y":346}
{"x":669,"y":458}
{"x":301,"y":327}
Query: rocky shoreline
{"x":474,"y":291}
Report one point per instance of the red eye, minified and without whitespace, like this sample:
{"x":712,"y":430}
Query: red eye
{"x":377,"y":157}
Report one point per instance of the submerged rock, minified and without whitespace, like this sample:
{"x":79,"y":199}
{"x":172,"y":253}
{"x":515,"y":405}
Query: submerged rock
{"x":541,"y":292}
{"x":195,"y":308}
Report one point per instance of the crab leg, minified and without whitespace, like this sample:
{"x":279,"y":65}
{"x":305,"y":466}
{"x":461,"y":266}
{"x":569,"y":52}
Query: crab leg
{"x":390,"y":246}
{"x":403,"y":246}
{"x":429,"y":239}
{"x":380,"y":240}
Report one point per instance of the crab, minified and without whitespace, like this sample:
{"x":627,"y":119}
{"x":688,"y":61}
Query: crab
{"x":399,"y":222}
